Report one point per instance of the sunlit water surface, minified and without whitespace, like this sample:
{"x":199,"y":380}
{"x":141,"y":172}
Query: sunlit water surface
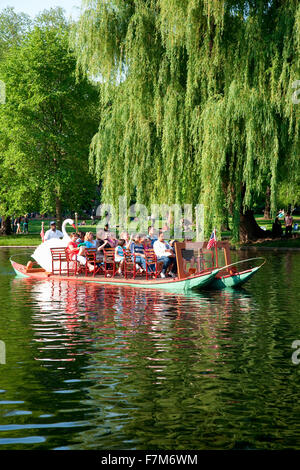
{"x":104,"y":367}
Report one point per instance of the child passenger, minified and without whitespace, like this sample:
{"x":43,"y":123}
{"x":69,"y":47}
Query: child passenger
{"x":119,"y":254}
{"x":72,"y":247}
{"x":137,"y":250}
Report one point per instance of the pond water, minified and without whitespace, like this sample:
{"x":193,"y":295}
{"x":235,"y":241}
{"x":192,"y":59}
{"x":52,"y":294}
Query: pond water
{"x":104,"y":367}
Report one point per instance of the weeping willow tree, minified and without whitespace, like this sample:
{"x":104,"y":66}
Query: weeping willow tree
{"x":196,"y":101}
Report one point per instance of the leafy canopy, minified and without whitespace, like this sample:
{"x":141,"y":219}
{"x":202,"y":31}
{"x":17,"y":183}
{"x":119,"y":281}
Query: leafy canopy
{"x":196,"y":100}
{"x":46,"y":123}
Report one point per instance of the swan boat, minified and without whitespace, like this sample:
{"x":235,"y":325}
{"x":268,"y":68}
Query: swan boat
{"x":42,"y":254}
{"x":198,"y":268}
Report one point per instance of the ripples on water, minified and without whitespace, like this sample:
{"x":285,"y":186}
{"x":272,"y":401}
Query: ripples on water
{"x":105,"y":367}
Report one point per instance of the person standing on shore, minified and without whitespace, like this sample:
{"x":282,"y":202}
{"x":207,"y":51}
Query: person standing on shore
{"x":288,"y":220}
{"x":276,"y":228}
{"x":25,"y":224}
{"x":18,"y":225}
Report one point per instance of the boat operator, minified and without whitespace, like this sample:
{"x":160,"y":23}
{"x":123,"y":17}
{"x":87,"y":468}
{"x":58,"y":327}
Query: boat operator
{"x":53,"y":232}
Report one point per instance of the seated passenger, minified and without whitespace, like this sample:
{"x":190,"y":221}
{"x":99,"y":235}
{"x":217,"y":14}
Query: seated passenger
{"x":89,"y":241}
{"x":149,"y":249}
{"x":128,"y":240}
{"x":137,"y":249}
{"x":165,"y":254}
{"x":172,"y":244}
{"x":80,"y":237}
{"x":76,"y":252}
{"x":72,"y":247}
{"x":101,"y":244}
{"x":152,"y":236}
{"x":119,"y":254}
{"x":112,"y":239}
{"x":147,"y":244}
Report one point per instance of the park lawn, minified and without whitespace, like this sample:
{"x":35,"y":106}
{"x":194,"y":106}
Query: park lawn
{"x":34,"y":226}
{"x":20,"y":240}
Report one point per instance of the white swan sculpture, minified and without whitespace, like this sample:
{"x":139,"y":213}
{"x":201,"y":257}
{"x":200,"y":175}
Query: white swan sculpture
{"x":42,"y":254}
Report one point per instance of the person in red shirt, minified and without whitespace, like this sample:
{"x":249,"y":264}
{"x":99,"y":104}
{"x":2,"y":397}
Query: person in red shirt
{"x":72,"y":247}
{"x":76,"y":253}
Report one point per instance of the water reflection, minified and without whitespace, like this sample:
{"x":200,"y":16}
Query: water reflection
{"x":75,"y":298}
{"x":107,"y":367}
{"x":70,"y":305}
{"x":148,"y":354}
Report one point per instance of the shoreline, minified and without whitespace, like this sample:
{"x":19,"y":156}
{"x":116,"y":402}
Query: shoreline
{"x":267,"y":248}
{"x":18,"y":246}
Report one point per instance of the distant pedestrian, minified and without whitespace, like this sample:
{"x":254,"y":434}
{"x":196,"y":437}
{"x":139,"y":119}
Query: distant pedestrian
{"x":288,"y":220}
{"x":25,"y":224}
{"x":18,"y":224}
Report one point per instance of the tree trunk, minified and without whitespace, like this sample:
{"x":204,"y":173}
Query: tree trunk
{"x":267,"y":211}
{"x":225,"y":224}
{"x":58,"y":212}
{"x":249,"y":229}
{"x":5,"y":226}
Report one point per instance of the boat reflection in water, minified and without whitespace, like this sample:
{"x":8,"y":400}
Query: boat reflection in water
{"x":72,"y":304}
{"x":150,"y":363}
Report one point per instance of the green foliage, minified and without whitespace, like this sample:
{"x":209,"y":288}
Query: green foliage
{"x":196,"y":100}
{"x":47,"y":122}
{"x":12,"y":28}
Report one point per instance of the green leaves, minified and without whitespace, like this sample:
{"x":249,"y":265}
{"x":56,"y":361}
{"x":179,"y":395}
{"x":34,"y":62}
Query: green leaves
{"x":47,"y":122}
{"x":196,"y":99}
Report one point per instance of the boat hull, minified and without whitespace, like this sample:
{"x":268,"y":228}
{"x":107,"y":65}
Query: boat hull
{"x":232,"y":281}
{"x":175,"y":285}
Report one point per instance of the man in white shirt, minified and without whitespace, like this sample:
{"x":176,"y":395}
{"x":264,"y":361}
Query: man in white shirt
{"x":52,"y":232}
{"x":165,"y":254}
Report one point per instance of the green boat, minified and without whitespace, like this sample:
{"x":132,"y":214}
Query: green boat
{"x":194,"y":257}
{"x":196,"y":281}
{"x":221,"y":281}
{"x":198,"y":268}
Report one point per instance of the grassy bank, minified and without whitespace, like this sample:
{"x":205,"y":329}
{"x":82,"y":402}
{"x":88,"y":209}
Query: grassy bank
{"x":278,"y":243}
{"x":20,"y":240}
